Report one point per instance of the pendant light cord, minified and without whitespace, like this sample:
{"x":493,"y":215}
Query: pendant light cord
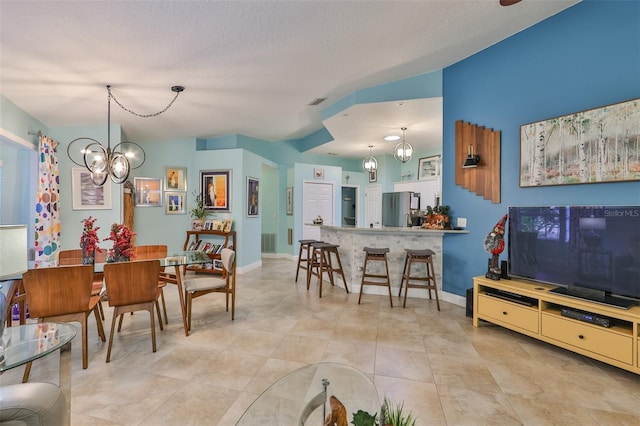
{"x":177,"y":89}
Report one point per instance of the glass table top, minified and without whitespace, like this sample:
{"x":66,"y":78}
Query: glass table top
{"x":284,"y":402}
{"x":174,"y":259}
{"x":29,"y":342}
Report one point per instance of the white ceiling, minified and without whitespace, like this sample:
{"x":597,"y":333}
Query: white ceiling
{"x":249,"y":67}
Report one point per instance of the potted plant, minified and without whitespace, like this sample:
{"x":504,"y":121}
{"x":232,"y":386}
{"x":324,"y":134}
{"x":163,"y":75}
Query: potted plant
{"x":390,"y":415}
{"x":199,"y":212}
{"x":122,"y":249}
{"x":89,"y":241}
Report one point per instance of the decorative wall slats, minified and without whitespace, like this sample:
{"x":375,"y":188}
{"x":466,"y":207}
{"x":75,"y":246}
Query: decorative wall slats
{"x":483,"y":180}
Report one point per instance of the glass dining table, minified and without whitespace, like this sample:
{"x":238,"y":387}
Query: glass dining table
{"x":176,"y":261}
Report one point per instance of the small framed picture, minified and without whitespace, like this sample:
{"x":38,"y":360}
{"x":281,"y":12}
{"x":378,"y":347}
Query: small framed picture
{"x":215,"y":189}
{"x":227,"y":225}
{"x":218,"y":225}
{"x":175,"y":178}
{"x":175,"y":202}
{"x":289,"y":200}
{"x":208,"y":225}
{"x":253,"y":197}
{"x":429,"y":168}
{"x":373,"y":176}
{"x":148,"y":192}
{"x":318,"y":173}
{"x":217,"y":265}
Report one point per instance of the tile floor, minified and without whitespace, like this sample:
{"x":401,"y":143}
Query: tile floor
{"x":446,"y":371}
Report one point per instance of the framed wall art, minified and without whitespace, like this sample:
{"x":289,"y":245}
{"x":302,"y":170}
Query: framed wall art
{"x":87,"y":195}
{"x":148,"y":192}
{"x":289,"y":200}
{"x":592,"y":146}
{"x":373,"y":176}
{"x":215,"y":188}
{"x":175,"y":178}
{"x":429,"y":168}
{"x":253,"y":197}
{"x":318,"y":173}
{"x":175,"y":202}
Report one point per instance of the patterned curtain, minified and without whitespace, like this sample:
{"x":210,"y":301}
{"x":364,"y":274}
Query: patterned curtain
{"x":47,"y":222}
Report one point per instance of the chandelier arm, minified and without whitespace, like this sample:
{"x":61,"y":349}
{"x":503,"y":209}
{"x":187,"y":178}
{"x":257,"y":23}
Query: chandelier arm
{"x":155,"y":114}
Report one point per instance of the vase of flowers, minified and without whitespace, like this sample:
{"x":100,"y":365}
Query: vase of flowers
{"x":122,"y":249}
{"x":89,"y":241}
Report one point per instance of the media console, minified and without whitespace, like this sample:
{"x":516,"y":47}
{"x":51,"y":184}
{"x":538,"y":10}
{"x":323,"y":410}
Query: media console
{"x":611,"y":335}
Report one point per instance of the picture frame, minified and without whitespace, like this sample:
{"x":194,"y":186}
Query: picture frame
{"x":228,"y":224}
{"x":207,"y":225}
{"x":289,"y":200}
{"x":318,"y":173}
{"x":175,"y":202}
{"x":148,"y":192}
{"x":175,"y":179}
{"x":87,"y":195}
{"x":429,"y":167}
{"x":217,"y":225}
{"x":217,"y":265}
{"x":590,"y":146}
{"x":373,"y":176}
{"x":215,"y":189}
{"x":253,"y":197}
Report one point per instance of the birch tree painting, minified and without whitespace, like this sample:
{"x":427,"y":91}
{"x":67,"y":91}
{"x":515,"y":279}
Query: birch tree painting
{"x":597,"y":145}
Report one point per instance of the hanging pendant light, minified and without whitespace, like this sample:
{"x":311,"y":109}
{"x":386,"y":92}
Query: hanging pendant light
{"x":370,"y":163}
{"x":403,"y":151}
{"x":114,"y":163}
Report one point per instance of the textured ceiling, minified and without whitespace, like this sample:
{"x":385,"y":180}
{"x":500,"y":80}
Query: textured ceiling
{"x":249,"y":67}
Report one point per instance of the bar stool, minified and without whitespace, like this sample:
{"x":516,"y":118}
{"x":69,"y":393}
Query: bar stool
{"x":303,"y":262}
{"x":419,"y":256}
{"x":380,"y":255}
{"x":320,"y":259}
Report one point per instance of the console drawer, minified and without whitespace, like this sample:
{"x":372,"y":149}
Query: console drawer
{"x":507,"y":313}
{"x":603,"y":342}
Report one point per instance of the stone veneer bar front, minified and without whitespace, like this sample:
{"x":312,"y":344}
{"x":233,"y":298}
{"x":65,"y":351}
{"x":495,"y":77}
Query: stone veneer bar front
{"x":353,"y":240}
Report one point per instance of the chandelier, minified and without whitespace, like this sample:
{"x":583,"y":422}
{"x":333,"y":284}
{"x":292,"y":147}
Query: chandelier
{"x":403,"y":151}
{"x":112,"y":163}
{"x":370,"y":163}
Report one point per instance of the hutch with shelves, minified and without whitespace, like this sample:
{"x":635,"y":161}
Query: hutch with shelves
{"x":226,"y":239}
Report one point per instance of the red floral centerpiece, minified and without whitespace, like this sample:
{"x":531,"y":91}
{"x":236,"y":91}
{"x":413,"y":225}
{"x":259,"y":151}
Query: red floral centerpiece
{"x":122,"y":249}
{"x":89,"y":241}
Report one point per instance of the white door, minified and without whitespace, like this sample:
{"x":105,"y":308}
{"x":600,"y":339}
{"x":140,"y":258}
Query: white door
{"x":317,"y":200}
{"x":373,"y":206}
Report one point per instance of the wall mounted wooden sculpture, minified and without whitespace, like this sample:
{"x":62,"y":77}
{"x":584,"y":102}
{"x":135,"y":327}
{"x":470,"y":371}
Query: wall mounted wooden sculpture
{"x":484,"y":179}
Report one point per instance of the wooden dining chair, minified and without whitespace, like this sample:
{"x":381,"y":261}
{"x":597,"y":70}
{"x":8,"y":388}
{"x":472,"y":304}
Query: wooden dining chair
{"x":226,"y":283}
{"x":132,"y":286}
{"x":149,"y":252}
{"x":74,"y":257}
{"x":63,"y":294}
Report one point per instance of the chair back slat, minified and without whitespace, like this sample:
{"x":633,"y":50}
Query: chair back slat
{"x":150,"y":252}
{"x":58,"y":291}
{"x":132,"y":282}
{"x":228,"y":256}
{"x":74,"y":257}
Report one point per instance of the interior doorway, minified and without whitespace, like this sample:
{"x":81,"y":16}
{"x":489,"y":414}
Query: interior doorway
{"x":350,"y":207}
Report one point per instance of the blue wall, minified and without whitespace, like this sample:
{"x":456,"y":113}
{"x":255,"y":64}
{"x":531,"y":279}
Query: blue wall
{"x":582,"y":58}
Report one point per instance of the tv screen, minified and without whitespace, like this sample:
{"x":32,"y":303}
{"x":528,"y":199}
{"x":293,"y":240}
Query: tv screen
{"x":597,"y":247}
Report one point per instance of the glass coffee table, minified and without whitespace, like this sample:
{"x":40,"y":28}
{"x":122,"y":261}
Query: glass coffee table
{"x":26,"y":343}
{"x":301,"y":393}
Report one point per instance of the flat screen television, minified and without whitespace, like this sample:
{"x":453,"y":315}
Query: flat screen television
{"x":590,"y":252}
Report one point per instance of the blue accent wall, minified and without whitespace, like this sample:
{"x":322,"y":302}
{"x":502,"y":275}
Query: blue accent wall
{"x":584,"y":57}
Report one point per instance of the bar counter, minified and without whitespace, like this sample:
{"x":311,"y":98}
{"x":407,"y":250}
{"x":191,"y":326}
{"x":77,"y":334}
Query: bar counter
{"x":352,"y":241}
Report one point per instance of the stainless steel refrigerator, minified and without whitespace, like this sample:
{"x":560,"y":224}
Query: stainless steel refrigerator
{"x":397,"y":208}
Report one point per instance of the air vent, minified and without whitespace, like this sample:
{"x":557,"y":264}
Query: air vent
{"x":317,"y":101}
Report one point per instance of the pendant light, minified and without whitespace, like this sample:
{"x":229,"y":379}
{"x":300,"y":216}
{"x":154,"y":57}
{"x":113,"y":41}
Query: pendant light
{"x":370,"y":164}
{"x":112,"y":163}
{"x":403,"y":151}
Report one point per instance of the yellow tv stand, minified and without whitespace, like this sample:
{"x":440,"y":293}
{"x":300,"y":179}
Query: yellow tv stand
{"x":536,"y":312}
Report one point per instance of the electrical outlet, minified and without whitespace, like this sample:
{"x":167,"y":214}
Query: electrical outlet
{"x":462,"y":222}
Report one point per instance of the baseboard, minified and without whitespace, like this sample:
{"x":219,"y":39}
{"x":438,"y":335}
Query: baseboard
{"x":248,"y":268}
